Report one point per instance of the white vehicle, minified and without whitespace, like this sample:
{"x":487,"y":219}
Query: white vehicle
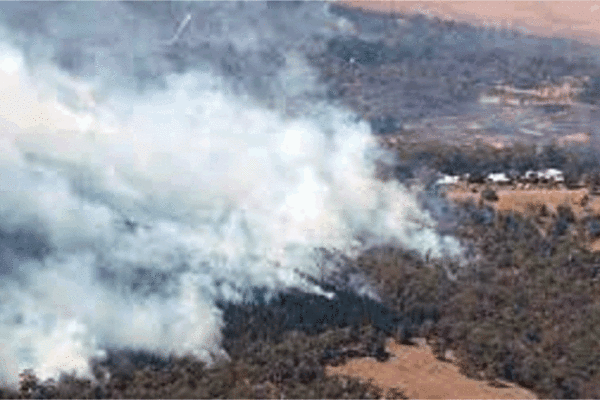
{"x":447,"y":180}
{"x":498,"y":177}
{"x":531,"y":176}
{"x":551,"y":175}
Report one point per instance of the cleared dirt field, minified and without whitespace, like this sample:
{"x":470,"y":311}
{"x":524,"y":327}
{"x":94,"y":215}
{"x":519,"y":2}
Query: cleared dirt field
{"x":420,"y":375}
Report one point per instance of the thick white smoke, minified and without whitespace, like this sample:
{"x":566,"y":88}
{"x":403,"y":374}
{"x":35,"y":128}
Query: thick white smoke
{"x":149,"y":207}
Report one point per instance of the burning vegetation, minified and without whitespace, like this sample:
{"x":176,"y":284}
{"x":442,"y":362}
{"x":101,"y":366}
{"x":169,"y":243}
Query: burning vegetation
{"x":519,"y":304}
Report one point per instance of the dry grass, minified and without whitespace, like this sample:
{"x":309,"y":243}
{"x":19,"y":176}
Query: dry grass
{"x":530,"y":202}
{"x":419,"y":373}
{"x":522,"y":200}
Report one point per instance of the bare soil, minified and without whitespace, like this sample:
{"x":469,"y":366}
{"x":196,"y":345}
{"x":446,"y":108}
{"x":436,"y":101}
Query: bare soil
{"x":414,"y":370}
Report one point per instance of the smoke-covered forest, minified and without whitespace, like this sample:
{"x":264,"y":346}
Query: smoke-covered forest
{"x":224,"y":199}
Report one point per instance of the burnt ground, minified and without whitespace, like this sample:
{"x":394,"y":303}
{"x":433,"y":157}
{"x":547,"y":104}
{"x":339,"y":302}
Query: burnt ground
{"x":422,"y":79}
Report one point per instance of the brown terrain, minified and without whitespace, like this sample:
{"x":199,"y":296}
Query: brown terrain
{"x":415,"y":370}
{"x":484,"y":104}
{"x":571,"y":19}
{"x":522,"y":200}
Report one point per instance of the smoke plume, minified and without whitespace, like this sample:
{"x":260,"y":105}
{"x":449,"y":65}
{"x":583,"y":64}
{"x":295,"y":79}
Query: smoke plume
{"x":127,"y":212}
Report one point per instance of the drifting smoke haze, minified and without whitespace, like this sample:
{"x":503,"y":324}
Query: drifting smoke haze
{"x":142,"y":184}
